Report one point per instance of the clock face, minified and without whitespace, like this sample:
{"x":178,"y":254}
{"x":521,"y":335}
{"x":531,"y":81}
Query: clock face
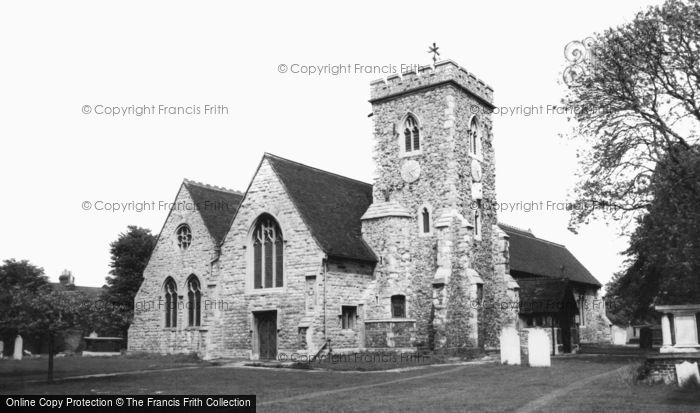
{"x":410,"y":170}
{"x":476,"y":171}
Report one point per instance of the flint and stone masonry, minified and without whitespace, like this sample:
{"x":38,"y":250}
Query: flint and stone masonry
{"x":352,"y":252}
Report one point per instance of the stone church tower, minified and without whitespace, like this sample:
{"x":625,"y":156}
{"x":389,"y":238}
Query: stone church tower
{"x":431,"y":222}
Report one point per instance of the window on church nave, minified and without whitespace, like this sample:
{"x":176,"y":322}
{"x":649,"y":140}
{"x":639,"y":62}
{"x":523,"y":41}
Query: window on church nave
{"x":170,"y":292}
{"x":268,"y":253}
{"x":398,"y":306}
{"x":411,"y":134}
{"x":349,"y":313}
{"x":194,"y":302}
{"x":184,"y":236}
{"x":475,"y":137}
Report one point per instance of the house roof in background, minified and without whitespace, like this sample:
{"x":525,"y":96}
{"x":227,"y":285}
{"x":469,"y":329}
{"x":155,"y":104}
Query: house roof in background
{"x":542,"y":258}
{"x":331,"y":205}
{"x":92,"y":292}
{"x":216,"y":205}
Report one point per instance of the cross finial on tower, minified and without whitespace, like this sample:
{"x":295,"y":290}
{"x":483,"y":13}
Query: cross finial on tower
{"x":434,"y":50}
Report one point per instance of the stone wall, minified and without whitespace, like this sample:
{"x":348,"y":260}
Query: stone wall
{"x":347,"y":282}
{"x":148,"y":332}
{"x":661,"y":368}
{"x":235,"y":333}
{"x":390,"y":334}
{"x":444,"y":101}
{"x":596,"y":327}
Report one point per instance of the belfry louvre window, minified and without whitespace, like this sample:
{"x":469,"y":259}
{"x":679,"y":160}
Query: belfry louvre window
{"x":475,"y":138}
{"x":170,"y":291}
{"x":425,"y":219}
{"x":268,"y":254}
{"x":194,"y":302}
{"x":411,"y":134}
{"x":398,"y":306}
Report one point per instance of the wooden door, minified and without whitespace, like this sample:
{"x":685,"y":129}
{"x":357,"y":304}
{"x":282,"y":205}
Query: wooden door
{"x":267,"y":334}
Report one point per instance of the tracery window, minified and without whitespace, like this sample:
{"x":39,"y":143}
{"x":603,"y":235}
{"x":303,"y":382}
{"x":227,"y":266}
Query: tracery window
{"x":411,"y":134}
{"x":184,"y":236}
{"x":194,"y":302}
{"x":170,"y":292}
{"x":268,"y":253}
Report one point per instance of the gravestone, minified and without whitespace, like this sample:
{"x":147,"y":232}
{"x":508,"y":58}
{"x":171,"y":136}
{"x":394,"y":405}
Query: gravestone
{"x":535,"y":347}
{"x":619,"y":335}
{"x":687,"y":372}
{"x":19,"y":345}
{"x":510,"y":346}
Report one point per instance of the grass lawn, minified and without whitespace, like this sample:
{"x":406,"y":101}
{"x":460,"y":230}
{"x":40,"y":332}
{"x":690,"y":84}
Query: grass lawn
{"x":37,"y":368}
{"x":473,"y":387}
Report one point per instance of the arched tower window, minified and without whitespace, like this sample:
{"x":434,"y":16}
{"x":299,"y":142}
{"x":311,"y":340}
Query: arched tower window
{"x":425,"y":220}
{"x":268,"y":253}
{"x":194,"y":302}
{"x":411,"y":134}
{"x":474,"y":137}
{"x":477,"y":219}
{"x":170,"y":292}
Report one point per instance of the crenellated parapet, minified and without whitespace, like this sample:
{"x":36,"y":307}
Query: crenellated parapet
{"x":445,"y":71}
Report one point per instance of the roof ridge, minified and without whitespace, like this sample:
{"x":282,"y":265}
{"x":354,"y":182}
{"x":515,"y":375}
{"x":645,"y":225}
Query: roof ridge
{"x":267,"y":154}
{"x":529,"y":231}
{"x":533,"y":235}
{"x":213,"y":187}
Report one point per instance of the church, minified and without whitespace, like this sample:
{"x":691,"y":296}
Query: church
{"x":305,"y":261}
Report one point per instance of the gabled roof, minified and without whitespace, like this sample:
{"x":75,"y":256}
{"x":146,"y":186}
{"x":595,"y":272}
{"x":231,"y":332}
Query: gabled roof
{"x":331,"y":206}
{"x":546,"y":295}
{"x":216,"y":205}
{"x":542,"y":258}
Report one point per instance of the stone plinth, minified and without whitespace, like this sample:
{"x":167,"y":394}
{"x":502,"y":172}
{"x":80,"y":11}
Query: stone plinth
{"x":661,"y":368}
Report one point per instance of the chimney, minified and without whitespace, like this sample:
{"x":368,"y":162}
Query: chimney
{"x":66,"y":279}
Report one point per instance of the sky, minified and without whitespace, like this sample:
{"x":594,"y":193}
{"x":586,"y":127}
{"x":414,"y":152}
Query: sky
{"x":67,"y":155}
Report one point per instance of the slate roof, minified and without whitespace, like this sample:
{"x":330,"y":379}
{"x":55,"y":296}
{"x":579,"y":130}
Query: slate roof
{"x":542,"y":258}
{"x":546,"y":295}
{"x":216,"y":205}
{"x":331,"y":206}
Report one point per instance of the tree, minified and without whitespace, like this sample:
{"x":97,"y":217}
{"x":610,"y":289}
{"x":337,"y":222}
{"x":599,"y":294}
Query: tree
{"x":635,"y":97}
{"x":130,"y":254}
{"x":46,"y":312}
{"x":16,"y":276}
{"x":664,"y":252}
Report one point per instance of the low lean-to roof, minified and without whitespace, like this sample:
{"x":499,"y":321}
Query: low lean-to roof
{"x":217,"y":206}
{"x":331,"y":206}
{"x":542,"y":258}
{"x":546,"y":295}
